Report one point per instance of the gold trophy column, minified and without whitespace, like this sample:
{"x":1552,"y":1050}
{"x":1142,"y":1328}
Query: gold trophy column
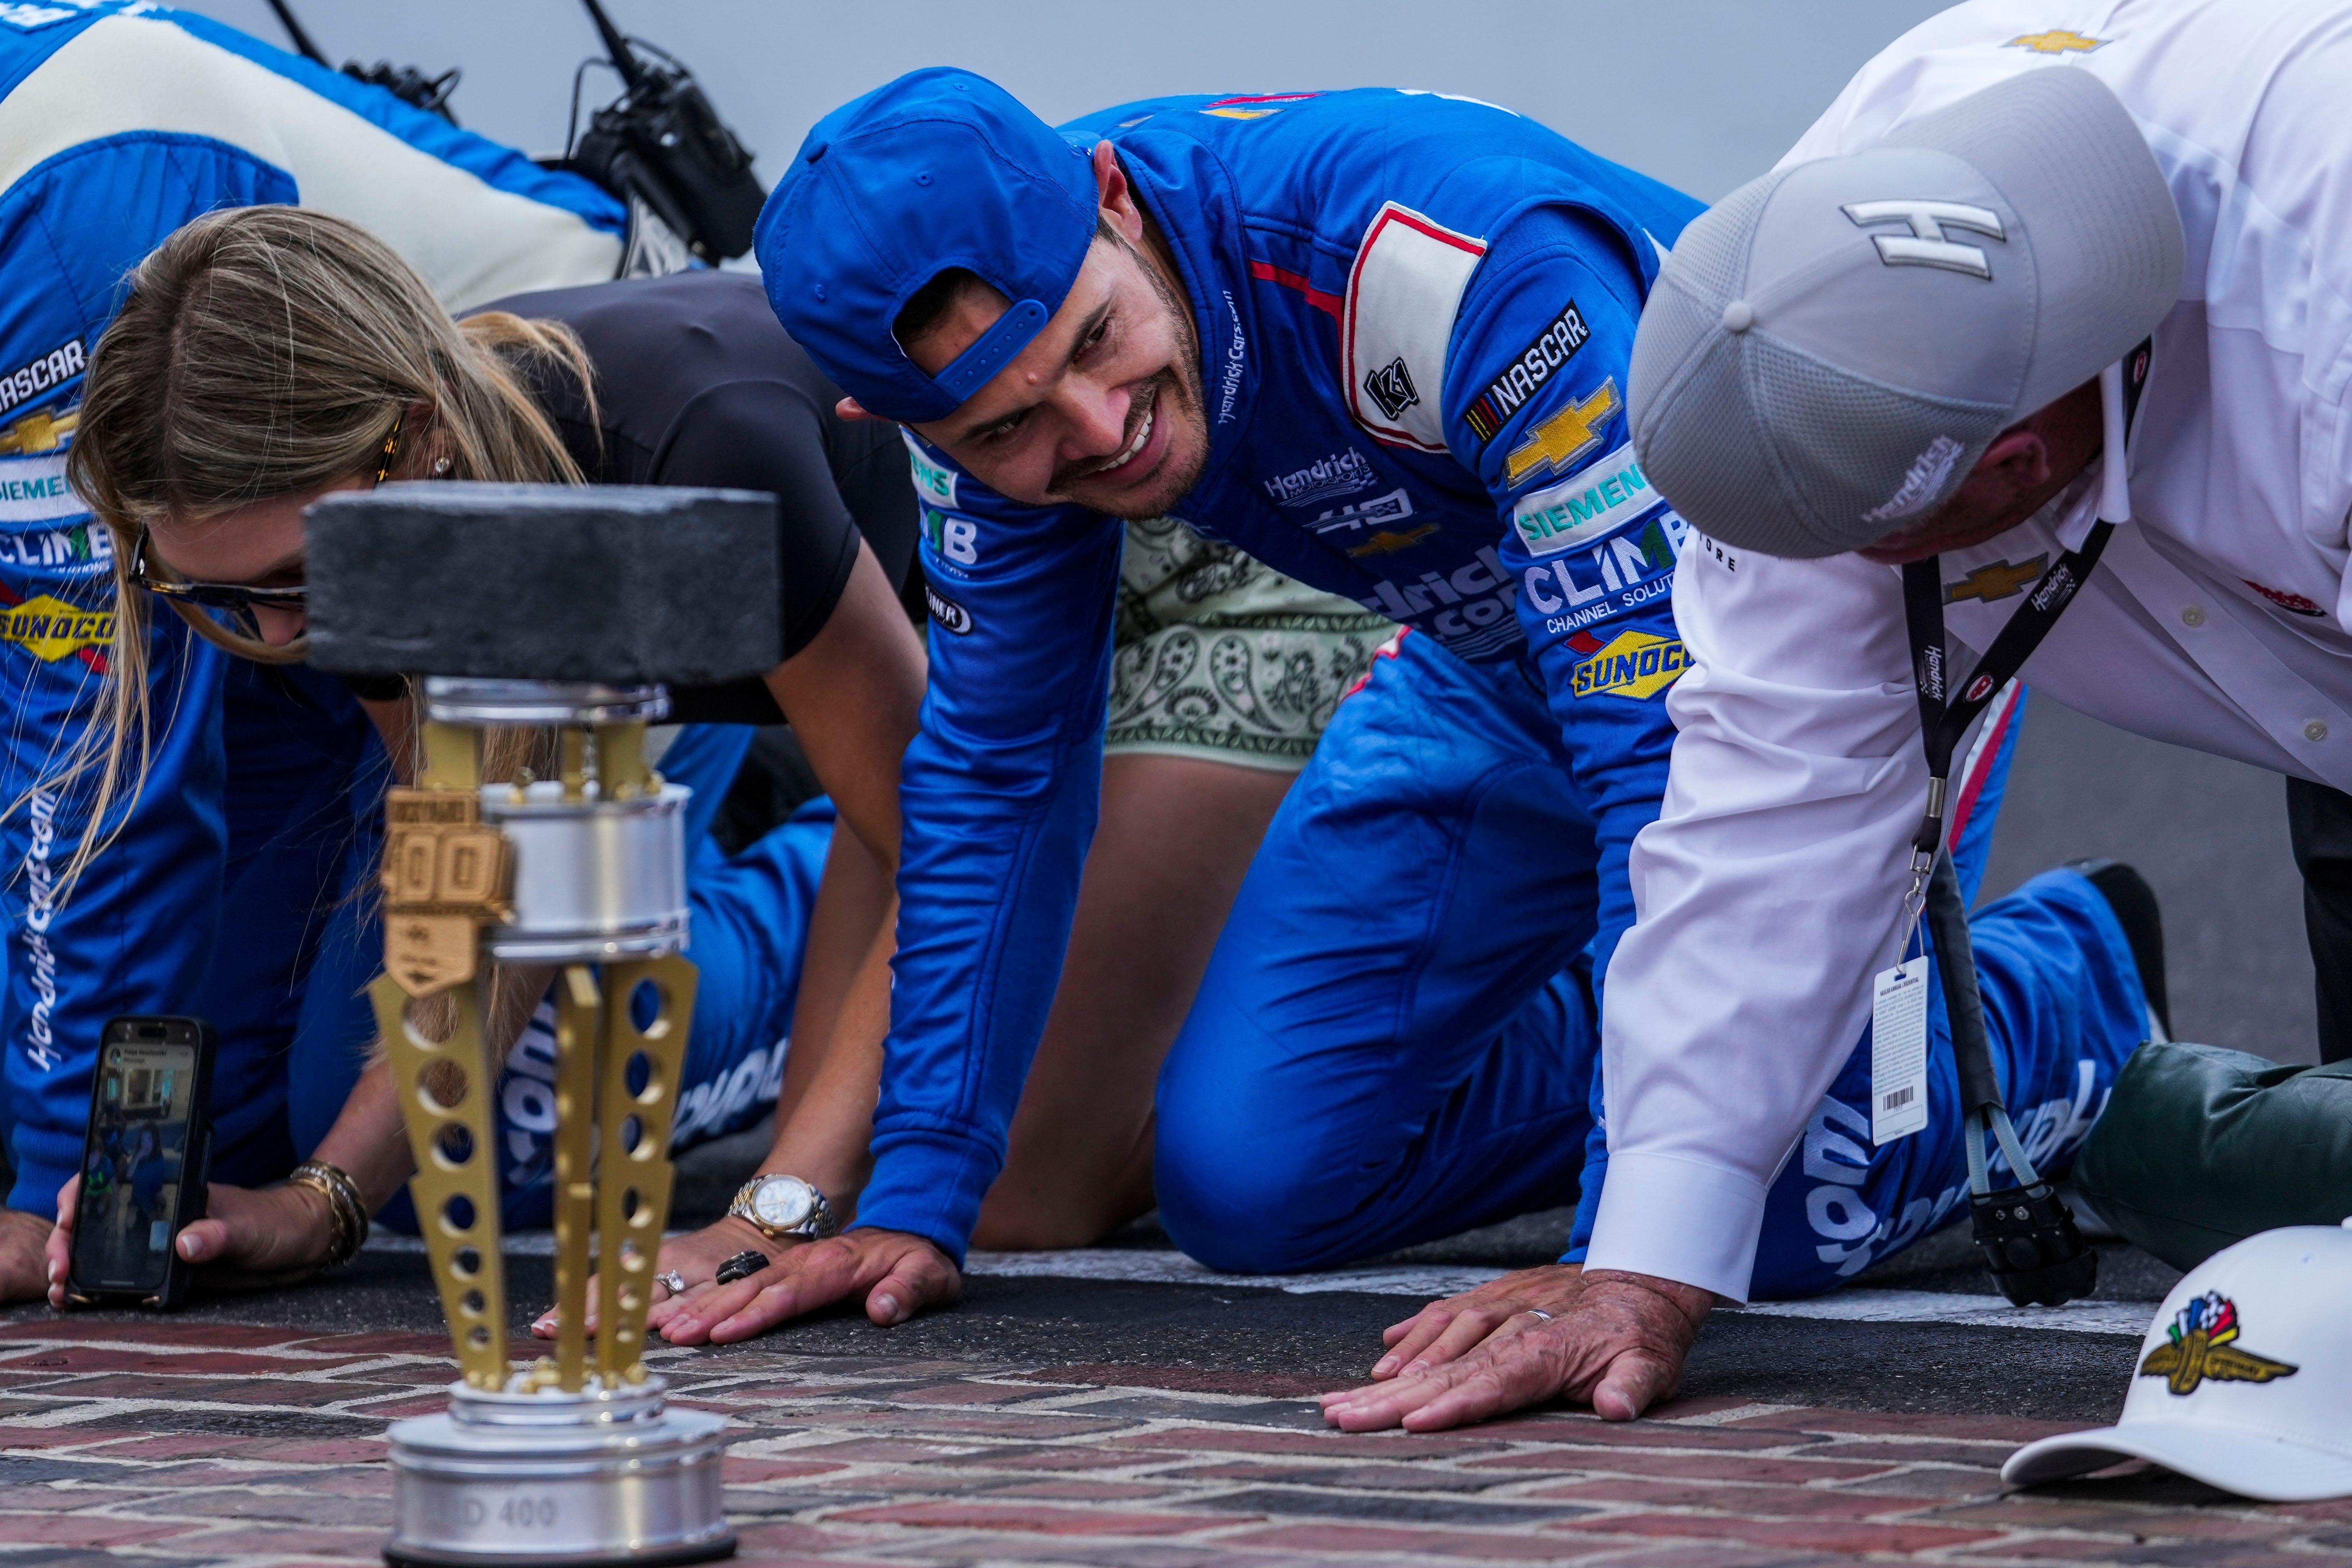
{"x":447,"y":877}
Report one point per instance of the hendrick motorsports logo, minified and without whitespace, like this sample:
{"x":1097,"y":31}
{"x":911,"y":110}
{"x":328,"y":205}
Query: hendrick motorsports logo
{"x":1635,"y":665}
{"x":2198,"y":1348}
{"x":50,"y":628}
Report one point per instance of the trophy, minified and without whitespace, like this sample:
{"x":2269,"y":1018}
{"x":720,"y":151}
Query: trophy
{"x":571,"y":608}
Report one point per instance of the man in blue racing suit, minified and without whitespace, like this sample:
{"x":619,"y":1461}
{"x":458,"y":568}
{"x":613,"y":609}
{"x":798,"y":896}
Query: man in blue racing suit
{"x":119,"y":122}
{"x":1378,"y":339}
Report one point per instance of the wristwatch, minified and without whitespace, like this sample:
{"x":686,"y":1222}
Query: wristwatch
{"x":784,"y":1207}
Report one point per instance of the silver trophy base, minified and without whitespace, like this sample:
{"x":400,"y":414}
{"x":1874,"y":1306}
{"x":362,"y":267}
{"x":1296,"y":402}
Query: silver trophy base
{"x":525,"y":1479}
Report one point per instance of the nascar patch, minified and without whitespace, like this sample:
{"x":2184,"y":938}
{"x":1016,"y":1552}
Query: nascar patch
{"x":1636,"y":666}
{"x":1508,"y":393}
{"x":1587,"y":504}
{"x":54,"y":368}
{"x":936,"y":482}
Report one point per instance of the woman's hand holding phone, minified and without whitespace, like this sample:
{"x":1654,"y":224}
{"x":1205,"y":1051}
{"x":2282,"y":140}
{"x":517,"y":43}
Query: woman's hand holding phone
{"x":250,"y":1239}
{"x":24,"y":1255}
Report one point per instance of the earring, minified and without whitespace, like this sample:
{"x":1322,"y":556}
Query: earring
{"x":440,"y":466}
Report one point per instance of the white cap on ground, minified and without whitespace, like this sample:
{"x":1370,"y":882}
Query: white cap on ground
{"x":2241,"y":1381}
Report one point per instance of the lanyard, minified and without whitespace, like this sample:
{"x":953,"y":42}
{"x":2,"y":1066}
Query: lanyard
{"x":1944,"y":718}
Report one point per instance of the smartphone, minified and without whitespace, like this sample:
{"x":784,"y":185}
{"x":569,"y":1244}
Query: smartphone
{"x":144,"y":1161}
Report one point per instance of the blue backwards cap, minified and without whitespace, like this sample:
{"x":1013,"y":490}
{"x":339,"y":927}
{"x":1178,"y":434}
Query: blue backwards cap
{"x":938,"y":168}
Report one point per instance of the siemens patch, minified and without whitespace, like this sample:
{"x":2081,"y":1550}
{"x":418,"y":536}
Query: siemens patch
{"x":1584,"y":506}
{"x":34,"y":489}
{"x":1552,"y":348}
{"x":53,"y":369}
{"x":1633,"y":665}
{"x":934,"y":482}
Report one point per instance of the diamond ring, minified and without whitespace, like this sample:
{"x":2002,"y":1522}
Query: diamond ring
{"x":673,"y":1280}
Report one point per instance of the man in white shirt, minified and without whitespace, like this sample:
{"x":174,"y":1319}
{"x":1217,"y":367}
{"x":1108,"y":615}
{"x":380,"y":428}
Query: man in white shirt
{"x":1891,"y":349}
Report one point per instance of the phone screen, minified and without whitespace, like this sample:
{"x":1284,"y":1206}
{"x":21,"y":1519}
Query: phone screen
{"x":132,"y":1164}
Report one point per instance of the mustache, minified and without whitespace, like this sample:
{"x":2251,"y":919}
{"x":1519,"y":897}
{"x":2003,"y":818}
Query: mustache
{"x":1148,"y":397}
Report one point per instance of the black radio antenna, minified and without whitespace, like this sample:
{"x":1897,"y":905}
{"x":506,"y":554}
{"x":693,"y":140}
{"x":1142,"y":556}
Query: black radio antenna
{"x":302,"y":44}
{"x":623,"y":59}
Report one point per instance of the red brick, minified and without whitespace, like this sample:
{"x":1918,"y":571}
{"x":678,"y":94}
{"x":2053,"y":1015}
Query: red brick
{"x":64,"y":1359}
{"x":83,"y":1530}
{"x":278,"y":1538}
{"x":1044,"y":1521}
{"x":1056,"y":1458}
{"x":317,"y":1450}
{"x":1048,"y":1424}
{"x":882,"y":1450}
{"x":1185,"y":1380}
{"x":1694,"y":1467}
{"x":2166,"y":1554}
{"x":212,"y":1336}
{"x":1823,"y":1535}
{"x":1412,"y":1544}
{"x":2028,"y":1511}
{"x":1931,"y":1484}
{"x":1593,"y":1432}
{"x":1982,"y":1455}
{"x":1872,"y":1423}
{"x":1398,"y":1446}
{"x":745,"y":1471}
{"x":156,"y":1445}
{"x":1758,"y":1501}
{"x":223,"y":1390}
{"x":965,"y":1394}
{"x":380,"y":1345}
{"x":59,"y":1438}
{"x":1077,"y":1489}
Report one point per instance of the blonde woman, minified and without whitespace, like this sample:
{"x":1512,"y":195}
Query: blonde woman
{"x":265,"y":356}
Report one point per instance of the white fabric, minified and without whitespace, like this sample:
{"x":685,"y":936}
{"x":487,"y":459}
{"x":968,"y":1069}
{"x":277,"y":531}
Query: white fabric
{"x":1403,"y":294}
{"x":126,"y":74}
{"x":1766,"y":890}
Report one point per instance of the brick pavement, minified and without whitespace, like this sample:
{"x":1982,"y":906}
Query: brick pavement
{"x":132,"y":1442}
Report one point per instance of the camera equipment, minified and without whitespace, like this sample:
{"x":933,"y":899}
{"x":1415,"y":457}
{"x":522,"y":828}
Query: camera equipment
{"x":406,"y":83}
{"x":662,"y":144}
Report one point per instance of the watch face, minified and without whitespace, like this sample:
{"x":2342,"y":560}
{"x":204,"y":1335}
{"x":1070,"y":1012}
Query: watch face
{"x":782,"y":1202}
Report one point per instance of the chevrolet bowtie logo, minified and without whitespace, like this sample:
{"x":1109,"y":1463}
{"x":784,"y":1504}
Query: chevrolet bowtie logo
{"x":1567,"y":436}
{"x":1385,"y":542}
{"x":1997,"y":581}
{"x":2056,"y":41}
{"x":38,"y":432}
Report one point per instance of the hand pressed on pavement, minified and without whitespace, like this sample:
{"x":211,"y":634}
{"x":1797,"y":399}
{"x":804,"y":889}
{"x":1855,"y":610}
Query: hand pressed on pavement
{"x":897,"y":1274}
{"x":249,"y":1239}
{"x":1619,"y":1344}
{"x":24,"y":1255}
{"x":1443,"y":1330}
{"x":694,"y":1257}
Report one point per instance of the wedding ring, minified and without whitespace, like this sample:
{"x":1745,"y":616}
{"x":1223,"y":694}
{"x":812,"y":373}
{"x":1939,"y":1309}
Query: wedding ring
{"x":1539,"y":1312}
{"x":673,"y":1280}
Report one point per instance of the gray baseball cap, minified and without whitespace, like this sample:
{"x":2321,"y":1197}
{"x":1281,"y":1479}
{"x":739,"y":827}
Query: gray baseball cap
{"x":1829,"y":349}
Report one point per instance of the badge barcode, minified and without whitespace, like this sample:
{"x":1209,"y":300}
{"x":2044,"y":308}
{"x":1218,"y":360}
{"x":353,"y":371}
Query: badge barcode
{"x":1899,"y":1098}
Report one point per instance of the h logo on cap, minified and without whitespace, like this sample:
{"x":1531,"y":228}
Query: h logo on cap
{"x":1925,"y":246}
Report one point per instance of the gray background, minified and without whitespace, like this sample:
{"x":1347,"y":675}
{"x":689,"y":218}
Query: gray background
{"x":1702,"y":94}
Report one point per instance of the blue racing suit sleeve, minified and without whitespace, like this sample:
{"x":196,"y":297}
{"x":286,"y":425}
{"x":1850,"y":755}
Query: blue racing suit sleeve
{"x":135,"y":934}
{"x":998,"y":796}
{"x":1535,"y":404}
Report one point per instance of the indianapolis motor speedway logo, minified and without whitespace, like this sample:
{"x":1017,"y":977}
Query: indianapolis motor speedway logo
{"x":2199,"y":1346}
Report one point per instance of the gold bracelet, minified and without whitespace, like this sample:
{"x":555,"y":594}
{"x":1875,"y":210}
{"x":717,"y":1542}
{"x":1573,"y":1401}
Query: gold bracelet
{"x":345,"y":1211}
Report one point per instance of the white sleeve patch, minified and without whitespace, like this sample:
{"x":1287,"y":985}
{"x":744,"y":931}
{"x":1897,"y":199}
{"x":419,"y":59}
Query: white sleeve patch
{"x":1403,"y":293}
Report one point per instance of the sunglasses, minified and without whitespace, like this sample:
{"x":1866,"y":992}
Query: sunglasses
{"x":239,"y":596}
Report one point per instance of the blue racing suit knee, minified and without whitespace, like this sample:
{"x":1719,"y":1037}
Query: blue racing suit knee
{"x":1395,"y":1035}
{"x":122,"y":122}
